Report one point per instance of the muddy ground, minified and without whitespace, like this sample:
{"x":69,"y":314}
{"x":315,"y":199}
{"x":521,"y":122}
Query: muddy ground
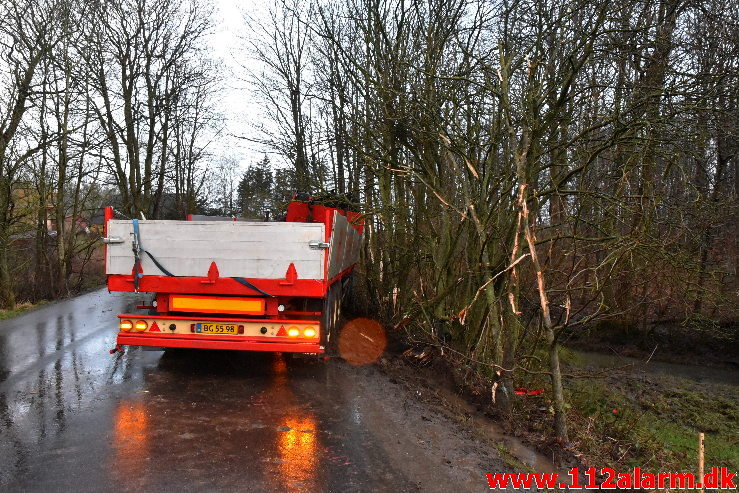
{"x":623,"y":411}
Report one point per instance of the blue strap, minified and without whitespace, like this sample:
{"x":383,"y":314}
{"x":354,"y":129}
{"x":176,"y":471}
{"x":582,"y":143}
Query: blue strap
{"x":137,"y":237}
{"x":135,"y":246}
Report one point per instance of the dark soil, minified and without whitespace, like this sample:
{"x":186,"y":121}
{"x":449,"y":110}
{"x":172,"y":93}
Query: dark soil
{"x":630,"y":413}
{"x":461,"y":394}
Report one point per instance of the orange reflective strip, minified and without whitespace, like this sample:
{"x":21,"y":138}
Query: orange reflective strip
{"x":216,"y":305}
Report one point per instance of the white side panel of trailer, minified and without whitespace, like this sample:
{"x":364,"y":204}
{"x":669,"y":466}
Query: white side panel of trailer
{"x":239,"y":249}
{"x":345,"y":245}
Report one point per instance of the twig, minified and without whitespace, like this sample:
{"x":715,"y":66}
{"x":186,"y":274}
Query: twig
{"x":650,"y":356}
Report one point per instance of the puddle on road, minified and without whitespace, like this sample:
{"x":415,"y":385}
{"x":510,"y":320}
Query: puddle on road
{"x":226,"y":418}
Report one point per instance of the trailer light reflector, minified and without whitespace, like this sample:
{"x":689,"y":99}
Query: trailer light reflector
{"x":241,"y":329}
{"x":215,"y":304}
{"x":141,"y":325}
{"x":293,"y":332}
{"x":309,"y":332}
{"x":126,"y":325}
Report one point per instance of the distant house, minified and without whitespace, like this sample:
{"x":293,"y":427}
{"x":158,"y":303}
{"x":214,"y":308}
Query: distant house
{"x":26,"y":201}
{"x":80,"y":225}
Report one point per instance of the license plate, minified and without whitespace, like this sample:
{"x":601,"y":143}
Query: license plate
{"x":216,"y":328}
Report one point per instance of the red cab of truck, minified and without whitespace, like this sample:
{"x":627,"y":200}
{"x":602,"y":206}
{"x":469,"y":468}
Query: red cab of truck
{"x":234,"y":284}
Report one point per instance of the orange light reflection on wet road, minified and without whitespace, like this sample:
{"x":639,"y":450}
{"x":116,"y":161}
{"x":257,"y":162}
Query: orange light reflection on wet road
{"x":296,"y":441}
{"x":297,"y":450}
{"x":131,"y":439}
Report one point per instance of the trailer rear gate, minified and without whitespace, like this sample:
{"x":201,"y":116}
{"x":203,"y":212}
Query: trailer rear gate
{"x":240,"y":249}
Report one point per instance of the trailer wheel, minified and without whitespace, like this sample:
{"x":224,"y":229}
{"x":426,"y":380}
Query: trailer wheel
{"x":330,"y":318}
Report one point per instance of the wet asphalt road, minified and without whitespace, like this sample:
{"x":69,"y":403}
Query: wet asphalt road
{"x":75,"y":418}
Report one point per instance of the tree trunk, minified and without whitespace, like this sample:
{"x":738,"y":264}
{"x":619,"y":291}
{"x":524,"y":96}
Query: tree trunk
{"x":555,"y":373}
{"x":7,"y":295}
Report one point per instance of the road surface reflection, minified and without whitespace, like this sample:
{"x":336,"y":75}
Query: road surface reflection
{"x":297,"y":450}
{"x":131,"y":439}
{"x":296,"y":438}
{"x":75,"y":418}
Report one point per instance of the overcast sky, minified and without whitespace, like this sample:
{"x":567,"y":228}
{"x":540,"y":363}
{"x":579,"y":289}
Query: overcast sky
{"x":237,"y":104}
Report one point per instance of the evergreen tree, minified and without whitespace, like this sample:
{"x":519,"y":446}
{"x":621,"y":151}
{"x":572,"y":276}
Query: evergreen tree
{"x":255,"y":191}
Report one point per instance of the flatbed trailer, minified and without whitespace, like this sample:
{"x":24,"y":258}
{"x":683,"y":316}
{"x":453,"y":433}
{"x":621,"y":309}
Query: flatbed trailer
{"x":233,"y":284}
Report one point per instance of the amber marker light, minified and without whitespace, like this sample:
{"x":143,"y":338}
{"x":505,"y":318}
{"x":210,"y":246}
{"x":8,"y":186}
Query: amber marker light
{"x":293,"y":332}
{"x":126,"y":325}
{"x":309,"y":332}
{"x":141,"y":325}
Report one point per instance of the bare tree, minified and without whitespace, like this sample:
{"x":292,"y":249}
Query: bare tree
{"x":144,"y":55}
{"x":523,"y":165}
{"x":281,"y":46}
{"x":28,"y":33}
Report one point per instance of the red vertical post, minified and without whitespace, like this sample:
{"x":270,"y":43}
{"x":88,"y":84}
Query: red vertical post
{"x":107,"y":216}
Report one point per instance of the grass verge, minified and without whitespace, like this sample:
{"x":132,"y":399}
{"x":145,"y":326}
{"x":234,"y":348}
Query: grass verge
{"x":19,"y":309}
{"x":654,"y":421}
{"x":628,"y":417}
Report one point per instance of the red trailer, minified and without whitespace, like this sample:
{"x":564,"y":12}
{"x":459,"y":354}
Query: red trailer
{"x":234,"y":284}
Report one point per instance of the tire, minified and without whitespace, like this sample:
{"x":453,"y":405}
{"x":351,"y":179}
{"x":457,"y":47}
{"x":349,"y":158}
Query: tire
{"x":330,"y":319}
